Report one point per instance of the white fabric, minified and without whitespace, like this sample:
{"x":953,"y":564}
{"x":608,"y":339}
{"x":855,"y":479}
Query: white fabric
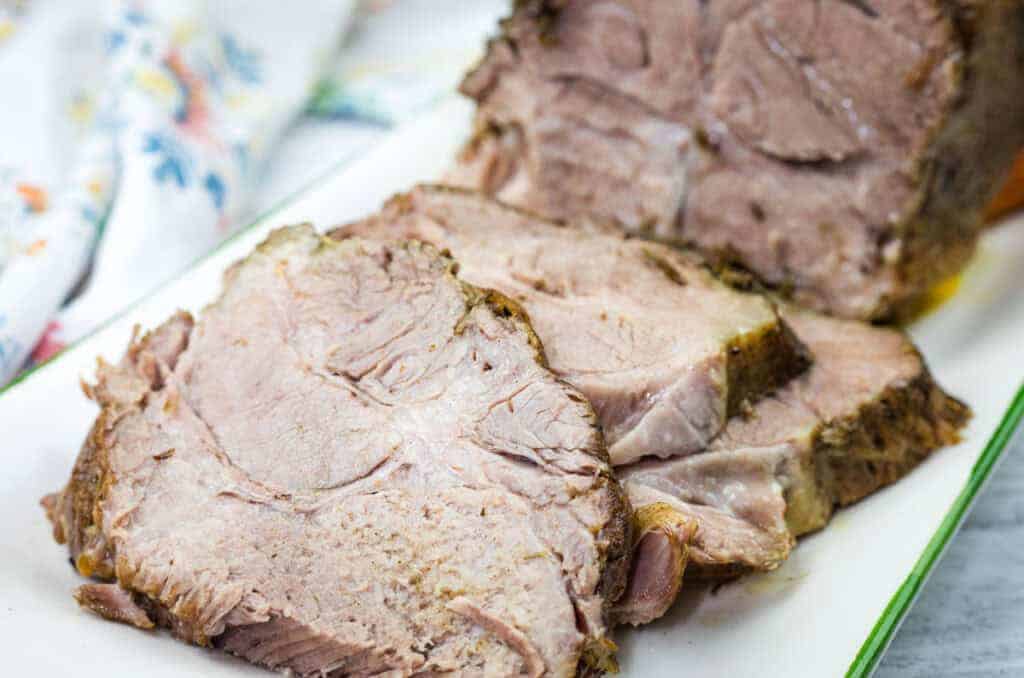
{"x":159,"y":157}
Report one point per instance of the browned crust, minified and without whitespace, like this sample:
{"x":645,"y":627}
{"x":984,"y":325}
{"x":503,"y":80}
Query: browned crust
{"x":970,"y":151}
{"x":888,"y":437}
{"x":76,"y":514}
{"x":760,"y":362}
{"x":844,"y":461}
{"x":598,"y":653}
{"x":756,"y":362}
{"x":618,"y":533}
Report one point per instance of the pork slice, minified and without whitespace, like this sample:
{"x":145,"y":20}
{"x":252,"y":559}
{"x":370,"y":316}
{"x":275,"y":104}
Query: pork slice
{"x":864,"y":415}
{"x":352,"y":463}
{"x":663,"y":351}
{"x":662,"y":537}
{"x":114,"y":603}
{"x":843,"y":151}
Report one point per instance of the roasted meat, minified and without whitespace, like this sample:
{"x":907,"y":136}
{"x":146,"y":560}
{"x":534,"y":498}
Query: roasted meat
{"x":352,"y":463}
{"x":843,"y":151}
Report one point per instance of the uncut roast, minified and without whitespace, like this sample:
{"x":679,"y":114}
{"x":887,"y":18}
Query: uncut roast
{"x":843,"y":151}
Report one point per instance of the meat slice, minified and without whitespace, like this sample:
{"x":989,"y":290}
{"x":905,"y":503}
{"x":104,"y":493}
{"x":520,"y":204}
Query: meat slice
{"x":864,"y":415}
{"x":663,"y":351}
{"x":662,"y":537}
{"x":114,"y":603}
{"x":353,"y":463}
{"x":842,"y":150}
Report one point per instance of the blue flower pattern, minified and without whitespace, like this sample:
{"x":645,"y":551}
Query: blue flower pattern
{"x":9,"y":345}
{"x":214,"y":185}
{"x":173,"y":162}
{"x":245,"y":63}
{"x":183,"y":103}
{"x":115,"y":41}
{"x":134,"y":17}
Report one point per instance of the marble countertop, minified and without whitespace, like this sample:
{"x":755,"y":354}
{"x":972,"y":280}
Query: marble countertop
{"x":969,"y":619}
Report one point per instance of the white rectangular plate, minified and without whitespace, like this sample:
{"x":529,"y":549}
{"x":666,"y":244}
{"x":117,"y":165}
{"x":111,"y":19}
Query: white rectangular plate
{"x":830,"y":610}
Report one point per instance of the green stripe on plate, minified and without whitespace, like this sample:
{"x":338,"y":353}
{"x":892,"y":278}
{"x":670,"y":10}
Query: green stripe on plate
{"x":885,"y":628}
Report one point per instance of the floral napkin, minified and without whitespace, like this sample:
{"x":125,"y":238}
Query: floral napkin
{"x":174,"y":105}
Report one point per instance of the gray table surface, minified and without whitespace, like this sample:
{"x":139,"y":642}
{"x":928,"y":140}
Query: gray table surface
{"x":969,"y":618}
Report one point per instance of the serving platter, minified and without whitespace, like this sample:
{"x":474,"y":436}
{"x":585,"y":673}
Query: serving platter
{"x":830,"y":610}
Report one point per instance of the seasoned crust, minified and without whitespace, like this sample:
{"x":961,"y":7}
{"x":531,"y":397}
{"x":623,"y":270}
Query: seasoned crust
{"x":759,"y":364}
{"x":76,"y":512}
{"x":880,"y":442}
{"x":848,"y":464}
{"x":970,"y":151}
{"x":888,"y":437}
{"x":618,"y":532}
{"x":860,"y":454}
{"x":864,"y":416}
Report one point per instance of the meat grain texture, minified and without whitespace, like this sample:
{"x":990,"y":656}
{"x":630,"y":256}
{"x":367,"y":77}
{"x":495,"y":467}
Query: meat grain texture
{"x":352,"y":463}
{"x":619,"y":315}
{"x":663,"y":351}
{"x":843,"y":151}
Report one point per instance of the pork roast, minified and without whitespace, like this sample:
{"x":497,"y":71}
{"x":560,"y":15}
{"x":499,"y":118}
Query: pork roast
{"x":664,"y":352}
{"x":840,"y":149}
{"x":865,"y":414}
{"x":353,"y":463}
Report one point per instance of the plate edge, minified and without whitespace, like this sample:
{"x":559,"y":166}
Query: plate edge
{"x":884,"y":630}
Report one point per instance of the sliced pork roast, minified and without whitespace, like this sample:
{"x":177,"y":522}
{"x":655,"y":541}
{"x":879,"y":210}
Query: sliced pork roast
{"x":864,"y":415}
{"x":351,"y":464}
{"x":841,"y":149}
{"x":663,"y":351}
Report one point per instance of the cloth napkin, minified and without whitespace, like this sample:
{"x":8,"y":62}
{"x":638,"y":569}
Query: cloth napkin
{"x":182,"y":104}
{"x":145,"y":133}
